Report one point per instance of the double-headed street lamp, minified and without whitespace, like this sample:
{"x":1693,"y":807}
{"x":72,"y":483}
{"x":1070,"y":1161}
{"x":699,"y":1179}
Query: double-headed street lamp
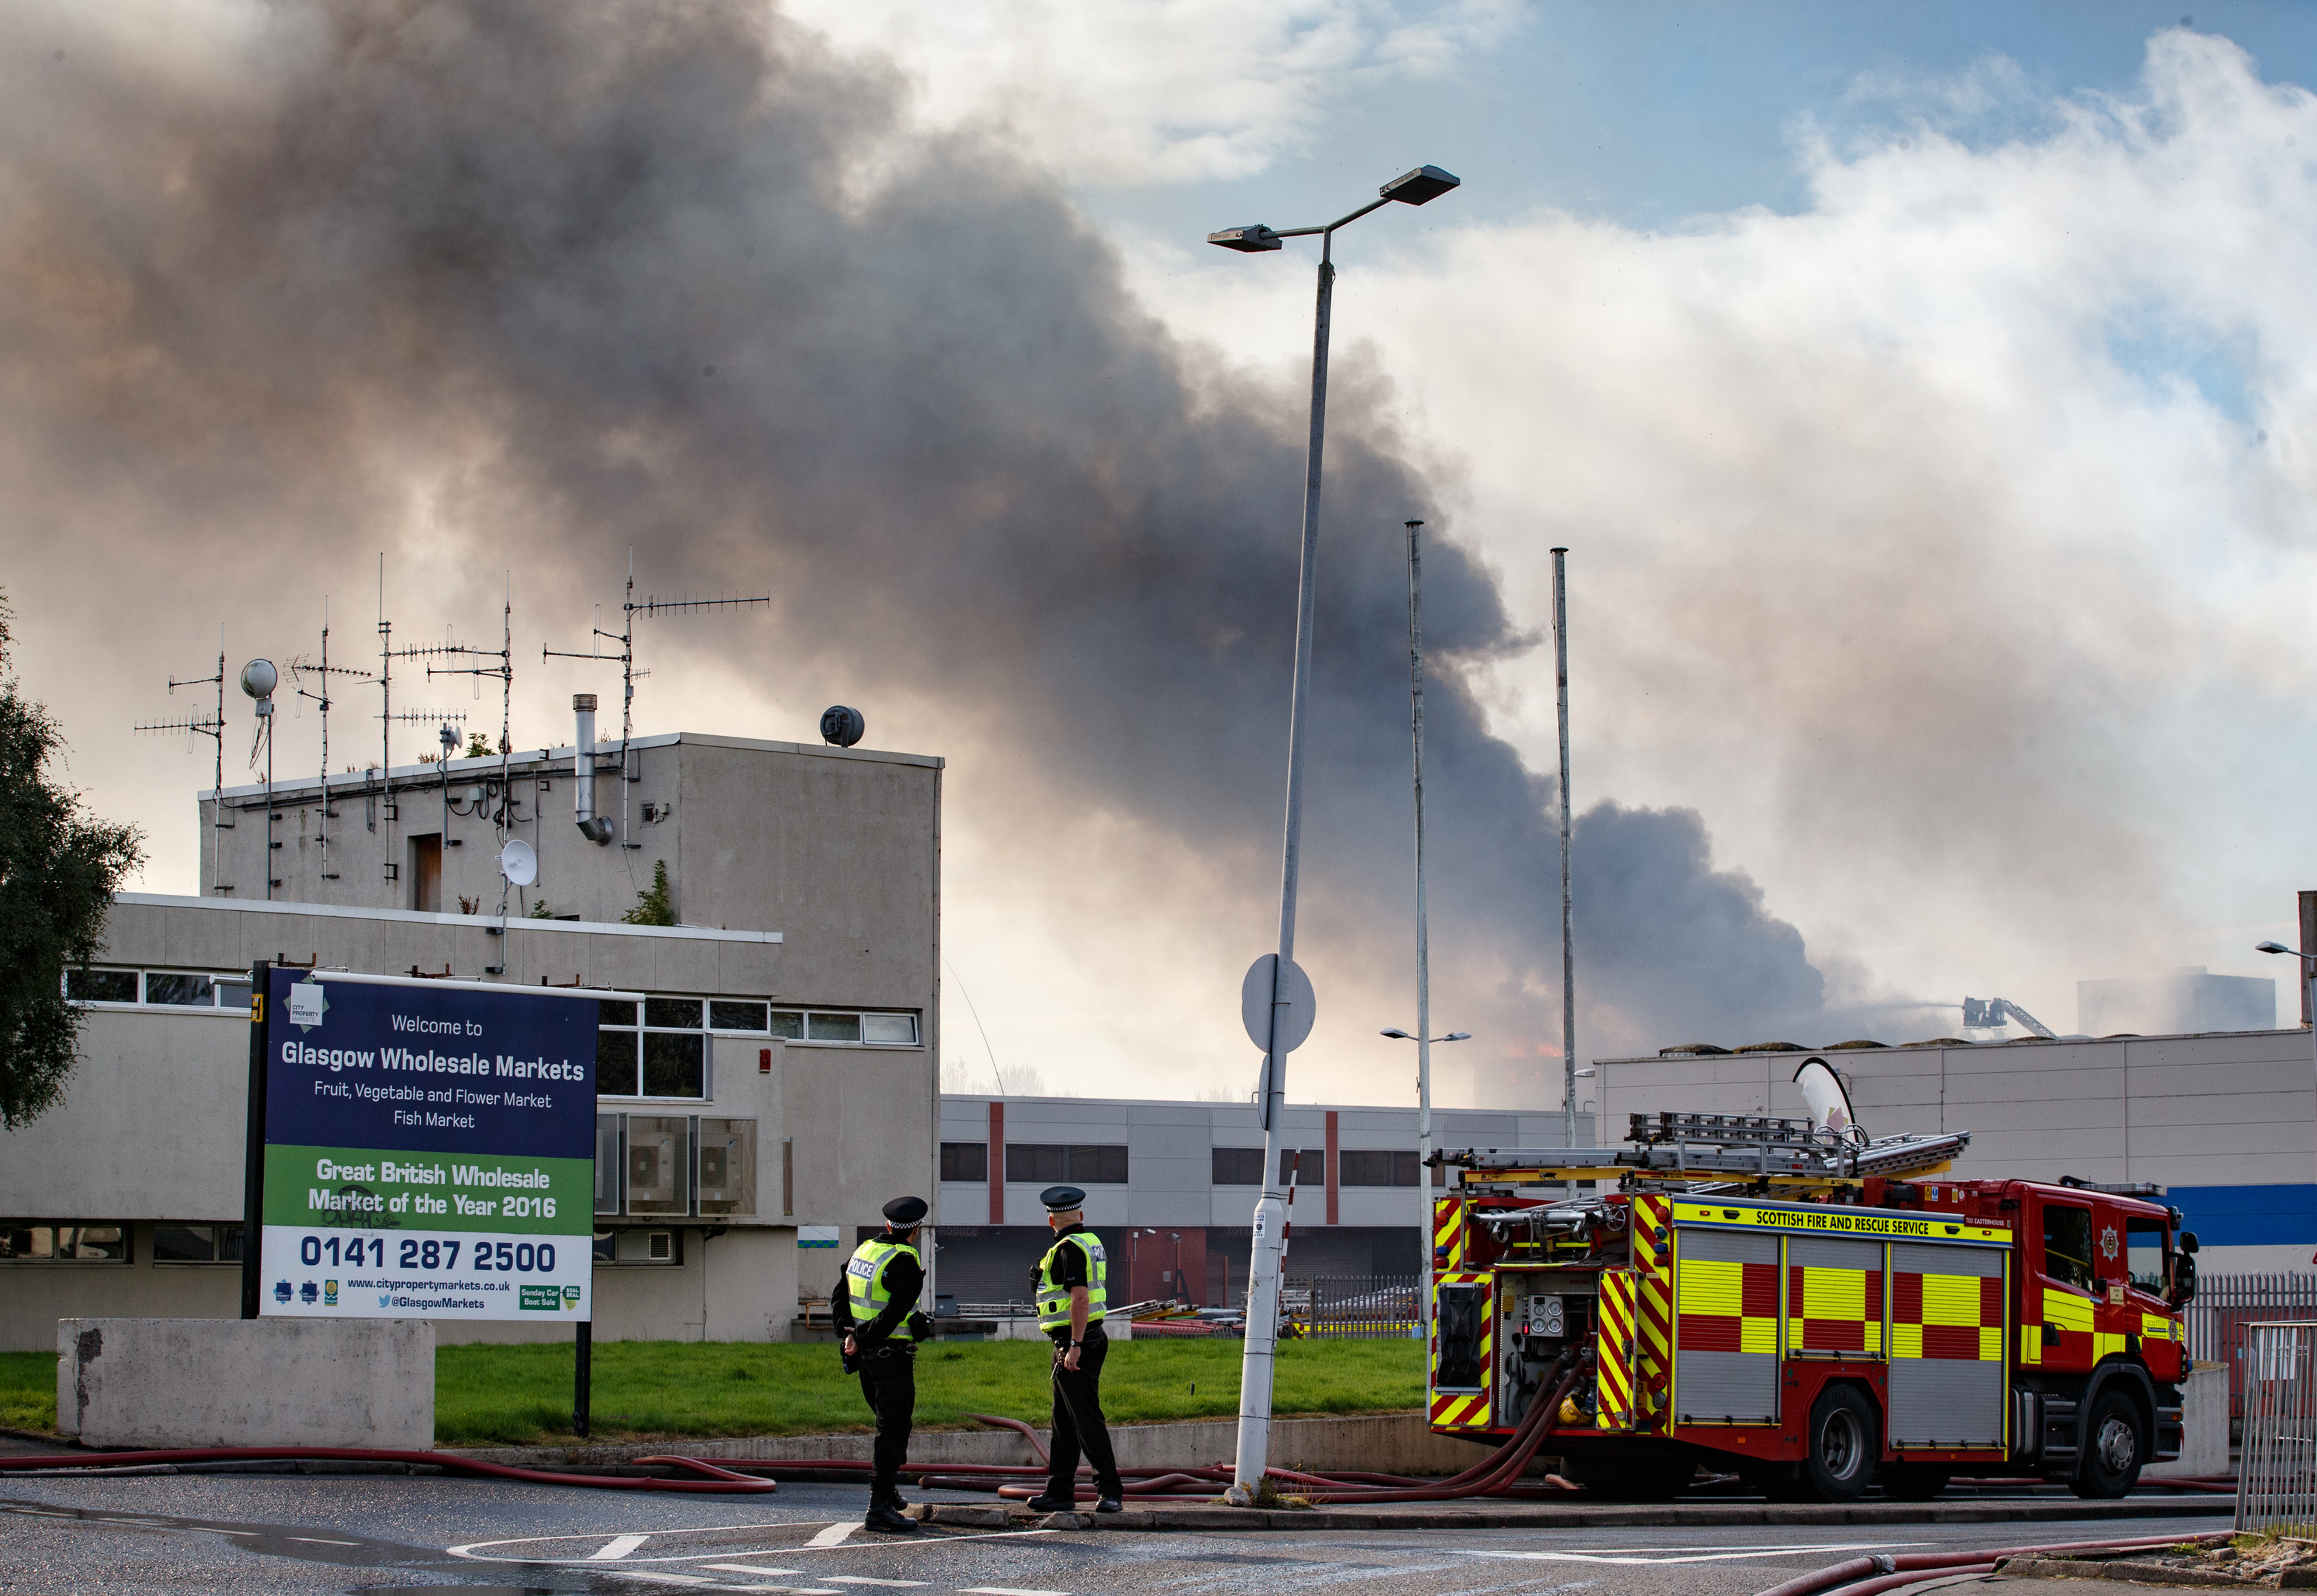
{"x":1287,"y":1027}
{"x":2308,"y":973}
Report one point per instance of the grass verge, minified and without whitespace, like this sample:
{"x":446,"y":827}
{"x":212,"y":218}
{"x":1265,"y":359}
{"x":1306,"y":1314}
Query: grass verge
{"x":27,"y":1391}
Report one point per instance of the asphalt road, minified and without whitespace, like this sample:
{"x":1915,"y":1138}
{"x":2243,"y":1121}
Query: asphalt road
{"x":271,"y":1533}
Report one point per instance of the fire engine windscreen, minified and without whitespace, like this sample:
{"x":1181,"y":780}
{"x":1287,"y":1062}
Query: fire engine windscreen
{"x":1823,"y":1095}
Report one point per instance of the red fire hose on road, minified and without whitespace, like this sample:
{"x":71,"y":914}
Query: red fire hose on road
{"x":1869,"y":1576}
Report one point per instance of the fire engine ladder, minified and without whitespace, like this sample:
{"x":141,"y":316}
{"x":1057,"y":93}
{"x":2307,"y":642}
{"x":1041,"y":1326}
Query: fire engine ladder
{"x":1671,"y":1149}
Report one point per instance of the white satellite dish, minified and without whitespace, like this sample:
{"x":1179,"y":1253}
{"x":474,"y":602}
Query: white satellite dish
{"x":1824,"y":1096}
{"x":518,"y":864}
{"x":259,"y":678}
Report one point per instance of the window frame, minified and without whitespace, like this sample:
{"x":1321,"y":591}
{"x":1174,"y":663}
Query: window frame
{"x":222,"y":983}
{"x":128,"y":1242}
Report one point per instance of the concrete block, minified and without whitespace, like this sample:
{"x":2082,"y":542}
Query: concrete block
{"x":2205,"y":1425}
{"x":247,"y":1382}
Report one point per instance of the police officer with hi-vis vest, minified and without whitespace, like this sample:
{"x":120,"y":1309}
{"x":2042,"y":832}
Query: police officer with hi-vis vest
{"x":874,"y":1310}
{"x":1071,"y":1306}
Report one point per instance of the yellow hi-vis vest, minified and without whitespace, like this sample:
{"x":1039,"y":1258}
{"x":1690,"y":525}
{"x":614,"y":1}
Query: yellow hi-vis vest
{"x":864,"y":1277}
{"x":1054,"y":1301}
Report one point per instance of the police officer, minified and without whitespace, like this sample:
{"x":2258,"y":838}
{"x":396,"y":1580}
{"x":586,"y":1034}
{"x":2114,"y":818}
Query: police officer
{"x":874,"y":1310}
{"x":1072,"y":1306}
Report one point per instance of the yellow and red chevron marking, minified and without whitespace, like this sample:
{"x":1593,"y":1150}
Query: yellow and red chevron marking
{"x":1614,"y":1379}
{"x":1653,"y":1263}
{"x":1466,"y":1411}
{"x":1447,"y":1233}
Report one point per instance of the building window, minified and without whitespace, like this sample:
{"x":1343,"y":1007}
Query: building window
{"x":724,"y":1015}
{"x":618,"y":1059}
{"x":728,"y":1167}
{"x":1239,"y":1166}
{"x":833,"y":1028}
{"x":1313,"y":1166}
{"x":1050,"y":1164}
{"x":1361,"y":1166}
{"x":608,"y":1163}
{"x":889,"y":1029}
{"x":965,"y":1161}
{"x":172,"y":989}
{"x":101,"y":986}
{"x":676,"y":1064}
{"x":197,"y":1243}
{"x":36,"y":1241}
{"x":788,"y":1024}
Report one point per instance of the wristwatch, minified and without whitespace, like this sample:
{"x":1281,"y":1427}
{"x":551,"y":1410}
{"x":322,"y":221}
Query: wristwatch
{"x":1079,"y":1342}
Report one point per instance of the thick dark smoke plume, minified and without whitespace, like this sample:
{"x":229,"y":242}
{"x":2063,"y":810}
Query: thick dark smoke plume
{"x":493,"y":283}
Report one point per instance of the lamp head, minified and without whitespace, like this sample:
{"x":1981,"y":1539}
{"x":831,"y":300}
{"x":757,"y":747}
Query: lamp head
{"x":1252,"y":240}
{"x":2270,"y":947}
{"x":1398,"y":1036}
{"x":1458,"y":1036}
{"x":1419,"y":187}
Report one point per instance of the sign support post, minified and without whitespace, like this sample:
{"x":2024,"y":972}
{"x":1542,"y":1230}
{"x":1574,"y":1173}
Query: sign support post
{"x":253,"y":1174}
{"x":582,"y":1368}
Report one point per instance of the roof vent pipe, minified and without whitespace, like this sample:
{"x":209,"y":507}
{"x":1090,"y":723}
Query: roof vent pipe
{"x":592,"y":826}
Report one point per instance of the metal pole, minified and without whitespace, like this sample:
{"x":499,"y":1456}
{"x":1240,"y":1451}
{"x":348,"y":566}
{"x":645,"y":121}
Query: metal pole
{"x":253,"y":1157}
{"x":1271,"y":1208}
{"x":1568,"y":947}
{"x":1423,"y":943}
{"x":583,"y":1365}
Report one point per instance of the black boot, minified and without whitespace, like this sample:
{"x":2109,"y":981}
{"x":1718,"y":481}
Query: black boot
{"x":885,"y":1516}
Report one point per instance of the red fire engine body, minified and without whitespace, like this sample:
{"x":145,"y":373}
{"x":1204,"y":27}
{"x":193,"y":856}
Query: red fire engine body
{"x":1812,"y":1328}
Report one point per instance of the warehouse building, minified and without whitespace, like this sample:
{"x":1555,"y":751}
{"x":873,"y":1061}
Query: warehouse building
{"x":773,"y":1087}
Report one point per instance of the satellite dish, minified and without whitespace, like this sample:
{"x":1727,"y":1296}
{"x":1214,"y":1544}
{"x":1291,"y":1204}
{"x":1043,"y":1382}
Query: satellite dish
{"x":1822,"y":1094}
{"x":842,"y":727}
{"x":259,"y":678}
{"x":518,"y":864}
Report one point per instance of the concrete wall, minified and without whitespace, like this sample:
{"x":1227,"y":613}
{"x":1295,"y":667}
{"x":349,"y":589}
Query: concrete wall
{"x":2227,"y":1123}
{"x":246,"y":1383}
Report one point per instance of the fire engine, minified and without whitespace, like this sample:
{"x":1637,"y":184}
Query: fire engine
{"x":1807,"y":1306}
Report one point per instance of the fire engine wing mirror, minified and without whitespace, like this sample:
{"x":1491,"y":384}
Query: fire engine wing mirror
{"x":2189,"y":1241}
{"x":1822,"y":1095}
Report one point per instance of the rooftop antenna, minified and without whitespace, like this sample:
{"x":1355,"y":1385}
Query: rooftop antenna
{"x":258,"y":680}
{"x":626,"y":639}
{"x":212,"y":727}
{"x":502,"y":672}
{"x":300,"y":670}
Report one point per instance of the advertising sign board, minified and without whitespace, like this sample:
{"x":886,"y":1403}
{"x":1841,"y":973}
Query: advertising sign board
{"x":427,"y":1148}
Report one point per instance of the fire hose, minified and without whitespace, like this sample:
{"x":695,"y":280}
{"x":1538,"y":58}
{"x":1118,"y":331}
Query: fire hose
{"x":711,"y":1478}
{"x":1869,"y":1576}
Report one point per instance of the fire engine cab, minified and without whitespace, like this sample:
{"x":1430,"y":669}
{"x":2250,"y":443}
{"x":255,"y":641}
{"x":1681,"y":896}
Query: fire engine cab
{"x":1806,"y":1307}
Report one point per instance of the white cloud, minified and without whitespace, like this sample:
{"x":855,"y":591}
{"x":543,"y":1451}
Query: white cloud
{"x":1124,"y":92}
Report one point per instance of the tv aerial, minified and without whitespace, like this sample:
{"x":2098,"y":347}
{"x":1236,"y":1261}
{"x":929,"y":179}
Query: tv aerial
{"x":626,"y":639}
{"x":300,"y":670}
{"x":212,"y":727}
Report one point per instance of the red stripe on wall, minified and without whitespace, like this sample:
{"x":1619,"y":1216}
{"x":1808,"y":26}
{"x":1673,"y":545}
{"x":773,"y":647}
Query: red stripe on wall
{"x":1332,"y":1166}
{"x":997,"y":1164}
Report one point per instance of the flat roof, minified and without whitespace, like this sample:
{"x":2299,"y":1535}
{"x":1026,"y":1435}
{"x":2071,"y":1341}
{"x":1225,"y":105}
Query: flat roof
{"x":1677,"y":1056}
{"x":527,"y":758}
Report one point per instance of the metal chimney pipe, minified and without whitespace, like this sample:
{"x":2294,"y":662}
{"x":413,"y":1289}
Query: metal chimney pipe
{"x":592,"y":826}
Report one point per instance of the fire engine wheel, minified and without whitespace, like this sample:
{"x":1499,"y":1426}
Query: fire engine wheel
{"x":1845,"y":1445}
{"x":2112,"y":1450}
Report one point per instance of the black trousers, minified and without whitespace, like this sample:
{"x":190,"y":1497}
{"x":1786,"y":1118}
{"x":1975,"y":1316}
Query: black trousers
{"x":1078,"y":1426}
{"x":889,"y":1379}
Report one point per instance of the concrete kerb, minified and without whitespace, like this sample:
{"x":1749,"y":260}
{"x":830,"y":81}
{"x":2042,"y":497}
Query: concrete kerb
{"x":1569,"y":1516}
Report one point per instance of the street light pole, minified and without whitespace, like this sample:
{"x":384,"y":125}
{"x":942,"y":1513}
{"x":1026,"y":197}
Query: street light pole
{"x":1568,"y":948}
{"x":2308,"y":978}
{"x":1412,"y":188}
{"x":1423,"y":938}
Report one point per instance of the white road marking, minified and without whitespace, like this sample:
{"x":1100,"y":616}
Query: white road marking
{"x":1007,"y":1591}
{"x":750,"y":1568}
{"x":831,"y":1537}
{"x":862,"y":1579}
{"x":619,"y":1545}
{"x":833,"y":1534}
{"x":316,"y":1540}
{"x":1648,"y":1557}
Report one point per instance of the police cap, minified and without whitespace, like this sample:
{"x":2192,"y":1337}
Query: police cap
{"x":905,"y":1211}
{"x":1062,"y":1200}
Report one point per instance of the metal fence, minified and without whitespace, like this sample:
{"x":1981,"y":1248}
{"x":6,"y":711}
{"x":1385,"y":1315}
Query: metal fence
{"x":1356,"y":1308}
{"x":2227,"y":1305}
{"x":2277,"y":1481}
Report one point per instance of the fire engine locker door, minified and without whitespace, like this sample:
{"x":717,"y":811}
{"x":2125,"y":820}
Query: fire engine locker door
{"x":1947,"y":1346}
{"x":1725,"y":1364}
{"x":1834,"y":1298}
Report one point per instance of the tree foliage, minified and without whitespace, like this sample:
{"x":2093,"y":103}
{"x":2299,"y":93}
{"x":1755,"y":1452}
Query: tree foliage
{"x":655,"y":905}
{"x":58,"y":869}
